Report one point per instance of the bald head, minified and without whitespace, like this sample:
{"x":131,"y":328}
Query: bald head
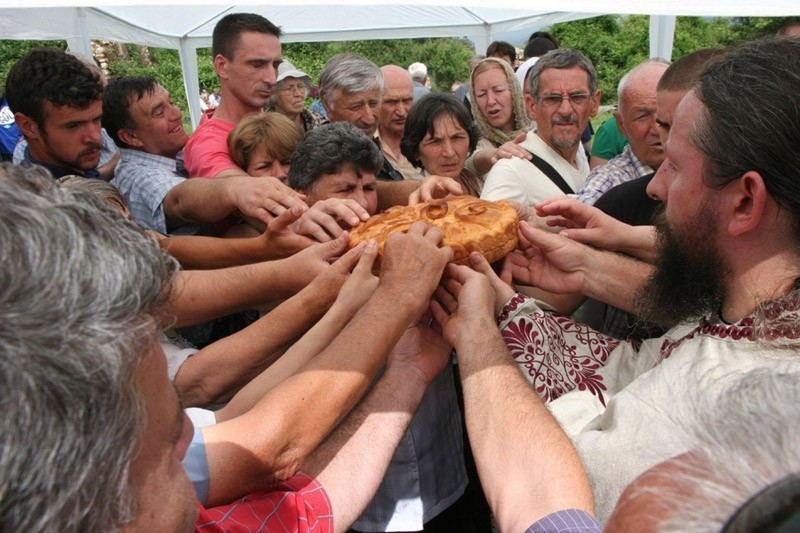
{"x":398,"y":97}
{"x":636,"y":117}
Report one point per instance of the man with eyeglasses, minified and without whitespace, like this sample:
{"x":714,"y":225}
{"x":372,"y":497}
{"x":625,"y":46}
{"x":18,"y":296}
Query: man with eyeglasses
{"x":289,"y":97}
{"x":563,"y":96}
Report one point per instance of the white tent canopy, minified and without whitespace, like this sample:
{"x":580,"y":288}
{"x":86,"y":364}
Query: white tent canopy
{"x":186,"y":25}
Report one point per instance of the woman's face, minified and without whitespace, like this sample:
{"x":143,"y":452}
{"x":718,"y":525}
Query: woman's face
{"x":445,"y":152}
{"x":493,"y":96}
{"x":264,"y":164}
{"x":291,"y":98}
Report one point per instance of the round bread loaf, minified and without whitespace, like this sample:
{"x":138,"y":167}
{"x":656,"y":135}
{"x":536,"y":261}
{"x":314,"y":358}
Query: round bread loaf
{"x":469,"y":225}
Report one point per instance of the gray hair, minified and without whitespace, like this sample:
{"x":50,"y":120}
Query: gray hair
{"x":745,"y":439}
{"x":751,"y":119}
{"x":78,"y":289}
{"x":350,"y":73}
{"x":636,"y":71}
{"x":327,"y":149}
{"x":562,"y":58}
{"x":418,"y":72}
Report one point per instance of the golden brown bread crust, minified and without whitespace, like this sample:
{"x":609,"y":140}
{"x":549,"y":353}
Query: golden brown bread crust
{"x":468,"y":223}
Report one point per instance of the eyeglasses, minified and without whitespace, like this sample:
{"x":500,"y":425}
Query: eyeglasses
{"x":554,"y":100}
{"x":298,"y":88}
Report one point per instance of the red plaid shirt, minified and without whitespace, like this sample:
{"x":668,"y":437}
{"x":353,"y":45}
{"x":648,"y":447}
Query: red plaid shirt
{"x":298,"y":505}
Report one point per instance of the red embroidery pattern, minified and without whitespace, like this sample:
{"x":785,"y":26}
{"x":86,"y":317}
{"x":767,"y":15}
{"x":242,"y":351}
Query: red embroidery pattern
{"x":558,"y":355}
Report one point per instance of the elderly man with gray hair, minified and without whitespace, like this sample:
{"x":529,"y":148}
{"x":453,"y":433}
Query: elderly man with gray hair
{"x":351,"y":87}
{"x":98,"y":433}
{"x":563,"y":96}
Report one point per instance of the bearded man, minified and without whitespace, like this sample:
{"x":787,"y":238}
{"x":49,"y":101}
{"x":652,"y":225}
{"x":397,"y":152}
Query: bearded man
{"x":726,"y":277}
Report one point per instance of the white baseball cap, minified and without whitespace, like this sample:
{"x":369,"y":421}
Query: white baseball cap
{"x":287,"y":70}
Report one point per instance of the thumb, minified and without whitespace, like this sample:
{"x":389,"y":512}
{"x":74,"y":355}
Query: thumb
{"x":544,"y":240}
{"x":480,"y":264}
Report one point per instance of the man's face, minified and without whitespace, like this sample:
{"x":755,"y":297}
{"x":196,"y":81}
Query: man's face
{"x":691,"y":268}
{"x":347,"y":183}
{"x":69,"y":138}
{"x":561,"y":123}
{"x":165,"y":499}
{"x":398,"y":97}
{"x":159,"y":125}
{"x":666,"y":104}
{"x":360,"y":109}
{"x":251,"y":74}
{"x":637,"y":117}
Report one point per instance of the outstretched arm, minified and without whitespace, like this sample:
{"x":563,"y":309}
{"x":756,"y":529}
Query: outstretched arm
{"x":273,"y":439}
{"x":527,"y":465}
{"x":351,"y":463}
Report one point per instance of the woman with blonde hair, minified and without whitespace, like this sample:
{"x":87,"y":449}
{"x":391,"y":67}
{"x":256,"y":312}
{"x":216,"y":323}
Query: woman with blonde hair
{"x":499,"y":111}
{"x":262,"y":145}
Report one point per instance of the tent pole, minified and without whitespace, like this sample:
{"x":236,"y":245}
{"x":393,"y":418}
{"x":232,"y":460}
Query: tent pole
{"x":662,"y":34}
{"x":188,"y":56}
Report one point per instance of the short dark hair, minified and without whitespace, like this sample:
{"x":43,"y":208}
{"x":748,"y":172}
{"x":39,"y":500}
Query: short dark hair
{"x":683,"y":74}
{"x":422,"y":119}
{"x":751,"y":119}
{"x":327,"y":149}
{"x":544,"y":35}
{"x":49,"y":74}
{"x":226,"y":34}
{"x":537,"y":47}
{"x":119,"y":95}
{"x":502,"y":48}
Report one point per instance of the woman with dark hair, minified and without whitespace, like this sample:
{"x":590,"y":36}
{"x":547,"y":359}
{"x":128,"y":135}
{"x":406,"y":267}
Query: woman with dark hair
{"x":439,"y":136}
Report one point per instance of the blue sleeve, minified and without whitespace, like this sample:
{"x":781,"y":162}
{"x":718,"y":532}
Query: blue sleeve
{"x":566,"y":521}
{"x":196,"y":465}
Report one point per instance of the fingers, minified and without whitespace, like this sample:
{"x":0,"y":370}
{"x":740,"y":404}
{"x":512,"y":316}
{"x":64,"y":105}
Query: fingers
{"x":350,"y":259}
{"x":367,"y":259}
{"x":287,"y":218}
{"x":344,"y":209}
{"x":435,"y":187}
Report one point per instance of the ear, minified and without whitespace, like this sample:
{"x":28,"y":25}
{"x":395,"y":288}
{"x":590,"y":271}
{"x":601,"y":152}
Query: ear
{"x":530,"y":105}
{"x":595,"y":103}
{"x":27,"y":126}
{"x":620,"y":124}
{"x":220,"y":65}
{"x":129,"y":138}
{"x":748,"y":203}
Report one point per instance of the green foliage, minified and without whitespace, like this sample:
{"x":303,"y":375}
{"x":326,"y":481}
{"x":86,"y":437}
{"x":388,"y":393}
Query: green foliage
{"x":12,"y":51}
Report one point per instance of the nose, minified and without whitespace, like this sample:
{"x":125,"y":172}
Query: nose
{"x":359,"y":195}
{"x":657,"y":188}
{"x":270,"y":75}
{"x":92,"y":133}
{"x":368,"y":116}
{"x":447,"y":148}
{"x":565,"y":107}
{"x":279,"y":171}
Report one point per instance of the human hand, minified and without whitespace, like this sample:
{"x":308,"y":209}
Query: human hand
{"x":584,"y":223}
{"x":263,"y":197}
{"x":305,"y":266}
{"x":323,"y":220}
{"x":280,"y":237}
{"x":362,"y":282}
{"x":511,"y":149}
{"x":331,"y":277}
{"x":413,"y":263}
{"x":434,"y":187}
{"x":463,"y":303}
{"x":421,"y":351}
{"x":548,"y":261}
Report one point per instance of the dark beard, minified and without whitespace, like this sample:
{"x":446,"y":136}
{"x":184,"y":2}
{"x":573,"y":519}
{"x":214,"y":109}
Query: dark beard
{"x":687,"y":283}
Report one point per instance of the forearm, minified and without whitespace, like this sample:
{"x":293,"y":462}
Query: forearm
{"x":482,"y":160}
{"x":391,"y":193}
{"x":218,"y":371}
{"x":566,"y":304}
{"x":351,"y":463}
{"x":200,"y":201}
{"x":639,"y":242}
{"x":201,"y":295}
{"x":273,"y":439}
{"x":614,"y":279}
{"x":195,"y":252}
{"x":310,"y":345}
{"x":528,"y":467}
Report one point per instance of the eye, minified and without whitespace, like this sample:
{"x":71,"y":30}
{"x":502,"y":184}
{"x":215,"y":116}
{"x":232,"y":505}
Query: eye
{"x":579,"y":98}
{"x":551,"y":100}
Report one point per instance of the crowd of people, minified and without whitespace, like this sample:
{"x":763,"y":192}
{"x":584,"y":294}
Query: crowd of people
{"x":187,"y":340}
